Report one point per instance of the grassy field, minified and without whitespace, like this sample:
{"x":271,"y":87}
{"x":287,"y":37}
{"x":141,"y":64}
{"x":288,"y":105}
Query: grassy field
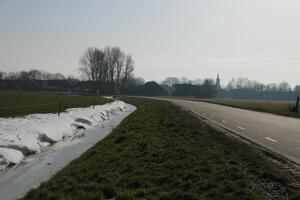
{"x":162,"y":152}
{"x":275,"y":107}
{"x":18,"y":103}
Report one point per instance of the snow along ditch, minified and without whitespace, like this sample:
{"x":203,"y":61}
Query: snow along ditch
{"x":24,"y":136}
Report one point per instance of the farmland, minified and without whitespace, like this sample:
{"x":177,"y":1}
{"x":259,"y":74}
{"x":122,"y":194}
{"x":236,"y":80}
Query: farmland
{"x":19,"y":103}
{"x":275,"y":107}
{"x":163,"y":152}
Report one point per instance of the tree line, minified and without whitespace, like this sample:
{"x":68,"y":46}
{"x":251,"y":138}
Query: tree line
{"x":32,"y":75}
{"x":111,"y":69}
{"x":170,"y":81}
{"x":184,"y":87}
{"x":240,"y":83}
{"x":243,"y":83}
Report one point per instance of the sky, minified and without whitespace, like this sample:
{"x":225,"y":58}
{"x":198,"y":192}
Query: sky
{"x":258,"y":39}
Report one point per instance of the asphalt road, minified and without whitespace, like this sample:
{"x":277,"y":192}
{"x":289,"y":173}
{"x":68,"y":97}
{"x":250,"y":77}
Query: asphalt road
{"x":277,"y":133}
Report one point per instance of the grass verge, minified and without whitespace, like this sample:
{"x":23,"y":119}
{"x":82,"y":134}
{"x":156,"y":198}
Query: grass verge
{"x":274,"y":107}
{"x":162,"y":152}
{"x":18,"y":103}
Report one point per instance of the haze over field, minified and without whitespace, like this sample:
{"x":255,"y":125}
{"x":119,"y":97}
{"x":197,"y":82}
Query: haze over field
{"x":149,"y":99}
{"x":195,"y":38}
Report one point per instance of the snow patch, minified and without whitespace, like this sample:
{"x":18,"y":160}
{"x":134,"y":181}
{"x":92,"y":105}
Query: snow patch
{"x":10,"y":156}
{"x":22,"y":136}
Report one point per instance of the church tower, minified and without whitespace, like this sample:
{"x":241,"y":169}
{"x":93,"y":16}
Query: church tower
{"x":218,"y":82}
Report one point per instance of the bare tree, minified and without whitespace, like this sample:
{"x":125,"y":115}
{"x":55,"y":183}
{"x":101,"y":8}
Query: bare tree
{"x":272,"y":87}
{"x":184,"y":80}
{"x":108,"y":68}
{"x":231,"y":84}
{"x":36,"y":75}
{"x":2,"y":75}
{"x":57,"y":76}
{"x":88,"y":67}
{"x":119,"y":61}
{"x":12,"y":76}
{"x":245,"y":84}
{"x":284,"y":87}
{"x":209,"y":88}
{"x":171,"y":81}
{"x":99,"y":59}
{"x":138,"y":81}
{"x":297,"y":88}
{"x":111,"y":67}
{"x":128,"y":71}
{"x":23,"y":75}
{"x":197,"y":81}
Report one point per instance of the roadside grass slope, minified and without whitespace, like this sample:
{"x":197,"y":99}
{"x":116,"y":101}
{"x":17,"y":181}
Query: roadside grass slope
{"x":18,"y":103}
{"x":162,"y":152}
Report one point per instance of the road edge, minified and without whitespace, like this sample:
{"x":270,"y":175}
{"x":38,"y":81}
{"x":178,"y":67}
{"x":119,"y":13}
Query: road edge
{"x":276,"y":158}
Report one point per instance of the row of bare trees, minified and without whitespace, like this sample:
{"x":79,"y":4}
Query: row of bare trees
{"x":110,"y":69}
{"x":31,"y":75}
{"x":244,"y":83}
{"x":170,"y":81}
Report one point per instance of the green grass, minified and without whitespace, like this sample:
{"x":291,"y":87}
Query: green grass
{"x":274,"y":107}
{"x":162,"y":152}
{"x":18,"y":103}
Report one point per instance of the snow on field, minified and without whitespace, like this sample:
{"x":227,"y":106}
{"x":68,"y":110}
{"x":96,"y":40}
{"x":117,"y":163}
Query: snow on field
{"x":22,"y":136}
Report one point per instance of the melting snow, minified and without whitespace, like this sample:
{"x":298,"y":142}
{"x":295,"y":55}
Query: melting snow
{"x":22,"y":136}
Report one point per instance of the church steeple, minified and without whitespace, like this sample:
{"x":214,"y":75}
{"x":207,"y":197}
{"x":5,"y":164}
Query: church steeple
{"x":218,"y":82}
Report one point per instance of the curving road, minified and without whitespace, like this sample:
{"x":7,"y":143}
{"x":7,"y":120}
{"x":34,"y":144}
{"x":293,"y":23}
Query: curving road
{"x":277,"y":133}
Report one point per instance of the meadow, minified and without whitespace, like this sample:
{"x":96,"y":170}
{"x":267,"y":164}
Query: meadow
{"x":18,"y":103}
{"x":274,"y":107}
{"x":162,"y":152}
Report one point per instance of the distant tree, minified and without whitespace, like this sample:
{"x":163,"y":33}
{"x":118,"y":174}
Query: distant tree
{"x":109,"y":68}
{"x":111,"y":58}
{"x":197,"y":81}
{"x":72,"y":78}
{"x":139,"y":81}
{"x":23,"y":75}
{"x":100,"y":66}
{"x":88,"y":67}
{"x":297,"y":88}
{"x":171,"y":81}
{"x":148,"y":89}
{"x":128,"y":71}
{"x":272,"y":87}
{"x":243,"y":83}
{"x":56,"y":76}
{"x":135,"y":81}
{"x":119,"y":60}
{"x":284,"y":87}
{"x":36,"y":75}
{"x":209,"y":88}
{"x":12,"y":76}
{"x":231,"y":84}
{"x":258,"y":87}
{"x":184,"y":80}
{"x":2,"y":75}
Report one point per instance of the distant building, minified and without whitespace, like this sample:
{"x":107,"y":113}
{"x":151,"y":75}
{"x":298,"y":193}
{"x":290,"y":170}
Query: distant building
{"x":218,"y":83}
{"x":220,"y":92}
{"x":168,"y":88}
{"x":148,"y":89}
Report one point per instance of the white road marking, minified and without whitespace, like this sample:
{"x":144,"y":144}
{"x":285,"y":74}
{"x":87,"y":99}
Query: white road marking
{"x":223,"y":121}
{"x":270,"y":139}
{"x":242,"y":128}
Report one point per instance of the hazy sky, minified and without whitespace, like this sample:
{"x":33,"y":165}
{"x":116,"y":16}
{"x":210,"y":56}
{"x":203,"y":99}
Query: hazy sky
{"x":259,"y":39}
